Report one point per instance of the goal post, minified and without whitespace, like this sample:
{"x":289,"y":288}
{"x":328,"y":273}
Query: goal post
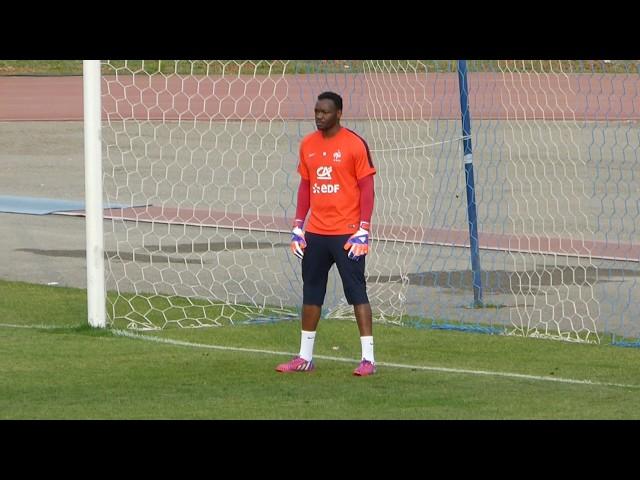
{"x":96,"y":295}
{"x":472,"y":216}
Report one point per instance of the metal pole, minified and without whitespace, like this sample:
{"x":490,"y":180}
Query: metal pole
{"x":468,"y":174}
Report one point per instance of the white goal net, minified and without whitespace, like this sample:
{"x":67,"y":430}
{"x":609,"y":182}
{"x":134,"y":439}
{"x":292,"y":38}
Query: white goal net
{"x":200,"y":164}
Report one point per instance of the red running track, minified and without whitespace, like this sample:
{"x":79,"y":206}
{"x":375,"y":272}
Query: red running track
{"x":613,"y":97}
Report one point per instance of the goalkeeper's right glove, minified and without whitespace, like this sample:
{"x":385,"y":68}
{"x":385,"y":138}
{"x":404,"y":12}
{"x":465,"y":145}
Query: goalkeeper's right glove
{"x":298,"y":243}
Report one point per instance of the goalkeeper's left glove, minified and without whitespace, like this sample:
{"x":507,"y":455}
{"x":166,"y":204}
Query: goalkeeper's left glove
{"x":358,"y":243}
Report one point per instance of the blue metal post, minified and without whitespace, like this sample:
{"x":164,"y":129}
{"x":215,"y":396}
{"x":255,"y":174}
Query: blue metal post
{"x":468,"y":174}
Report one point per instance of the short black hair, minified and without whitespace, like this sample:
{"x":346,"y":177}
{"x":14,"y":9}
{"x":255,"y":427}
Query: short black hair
{"x":337,"y":99}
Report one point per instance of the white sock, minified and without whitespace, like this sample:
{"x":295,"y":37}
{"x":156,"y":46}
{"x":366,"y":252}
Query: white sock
{"x":306,"y":344}
{"x":367,"y":348}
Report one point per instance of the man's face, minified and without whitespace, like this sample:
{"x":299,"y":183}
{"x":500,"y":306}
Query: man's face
{"x":326,"y":114}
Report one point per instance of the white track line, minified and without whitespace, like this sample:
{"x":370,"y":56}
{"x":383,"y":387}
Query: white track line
{"x":182,"y":343}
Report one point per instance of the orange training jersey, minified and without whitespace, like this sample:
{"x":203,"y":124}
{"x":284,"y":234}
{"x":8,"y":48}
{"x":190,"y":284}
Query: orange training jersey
{"x":333,"y":167}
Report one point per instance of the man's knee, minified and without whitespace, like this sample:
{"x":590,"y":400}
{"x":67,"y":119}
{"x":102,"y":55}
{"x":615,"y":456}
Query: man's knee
{"x":356,"y":296}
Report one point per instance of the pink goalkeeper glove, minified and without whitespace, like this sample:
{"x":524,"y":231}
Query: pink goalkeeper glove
{"x":358,"y":243}
{"x":298,"y":243}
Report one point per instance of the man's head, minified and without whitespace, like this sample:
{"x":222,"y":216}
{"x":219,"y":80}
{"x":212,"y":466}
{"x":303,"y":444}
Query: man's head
{"x":328,"y":111}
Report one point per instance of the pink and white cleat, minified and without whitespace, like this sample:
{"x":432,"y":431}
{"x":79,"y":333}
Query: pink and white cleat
{"x":297,"y":364}
{"x":365,"y":368}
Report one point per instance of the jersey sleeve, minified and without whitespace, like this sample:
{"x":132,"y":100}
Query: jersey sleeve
{"x":363,"y":163}
{"x":302,"y":166}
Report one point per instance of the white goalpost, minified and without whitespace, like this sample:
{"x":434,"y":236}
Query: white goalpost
{"x":96,"y":299}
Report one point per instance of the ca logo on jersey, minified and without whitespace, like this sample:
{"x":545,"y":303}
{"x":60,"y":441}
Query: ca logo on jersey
{"x":324,"y":173}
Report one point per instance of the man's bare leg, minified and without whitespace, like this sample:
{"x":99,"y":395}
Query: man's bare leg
{"x":310,"y":317}
{"x":364,"y":318}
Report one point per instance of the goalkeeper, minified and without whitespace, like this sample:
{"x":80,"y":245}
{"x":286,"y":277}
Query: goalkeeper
{"x":337,"y":186}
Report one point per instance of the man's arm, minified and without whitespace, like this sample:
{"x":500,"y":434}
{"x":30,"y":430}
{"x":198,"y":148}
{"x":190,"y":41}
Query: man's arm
{"x":358,"y":243}
{"x":298,"y":242}
{"x":366,"y":198}
{"x":304,"y":201}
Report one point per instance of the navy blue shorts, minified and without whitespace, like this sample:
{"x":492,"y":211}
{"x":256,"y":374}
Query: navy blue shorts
{"x":321,"y":253}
